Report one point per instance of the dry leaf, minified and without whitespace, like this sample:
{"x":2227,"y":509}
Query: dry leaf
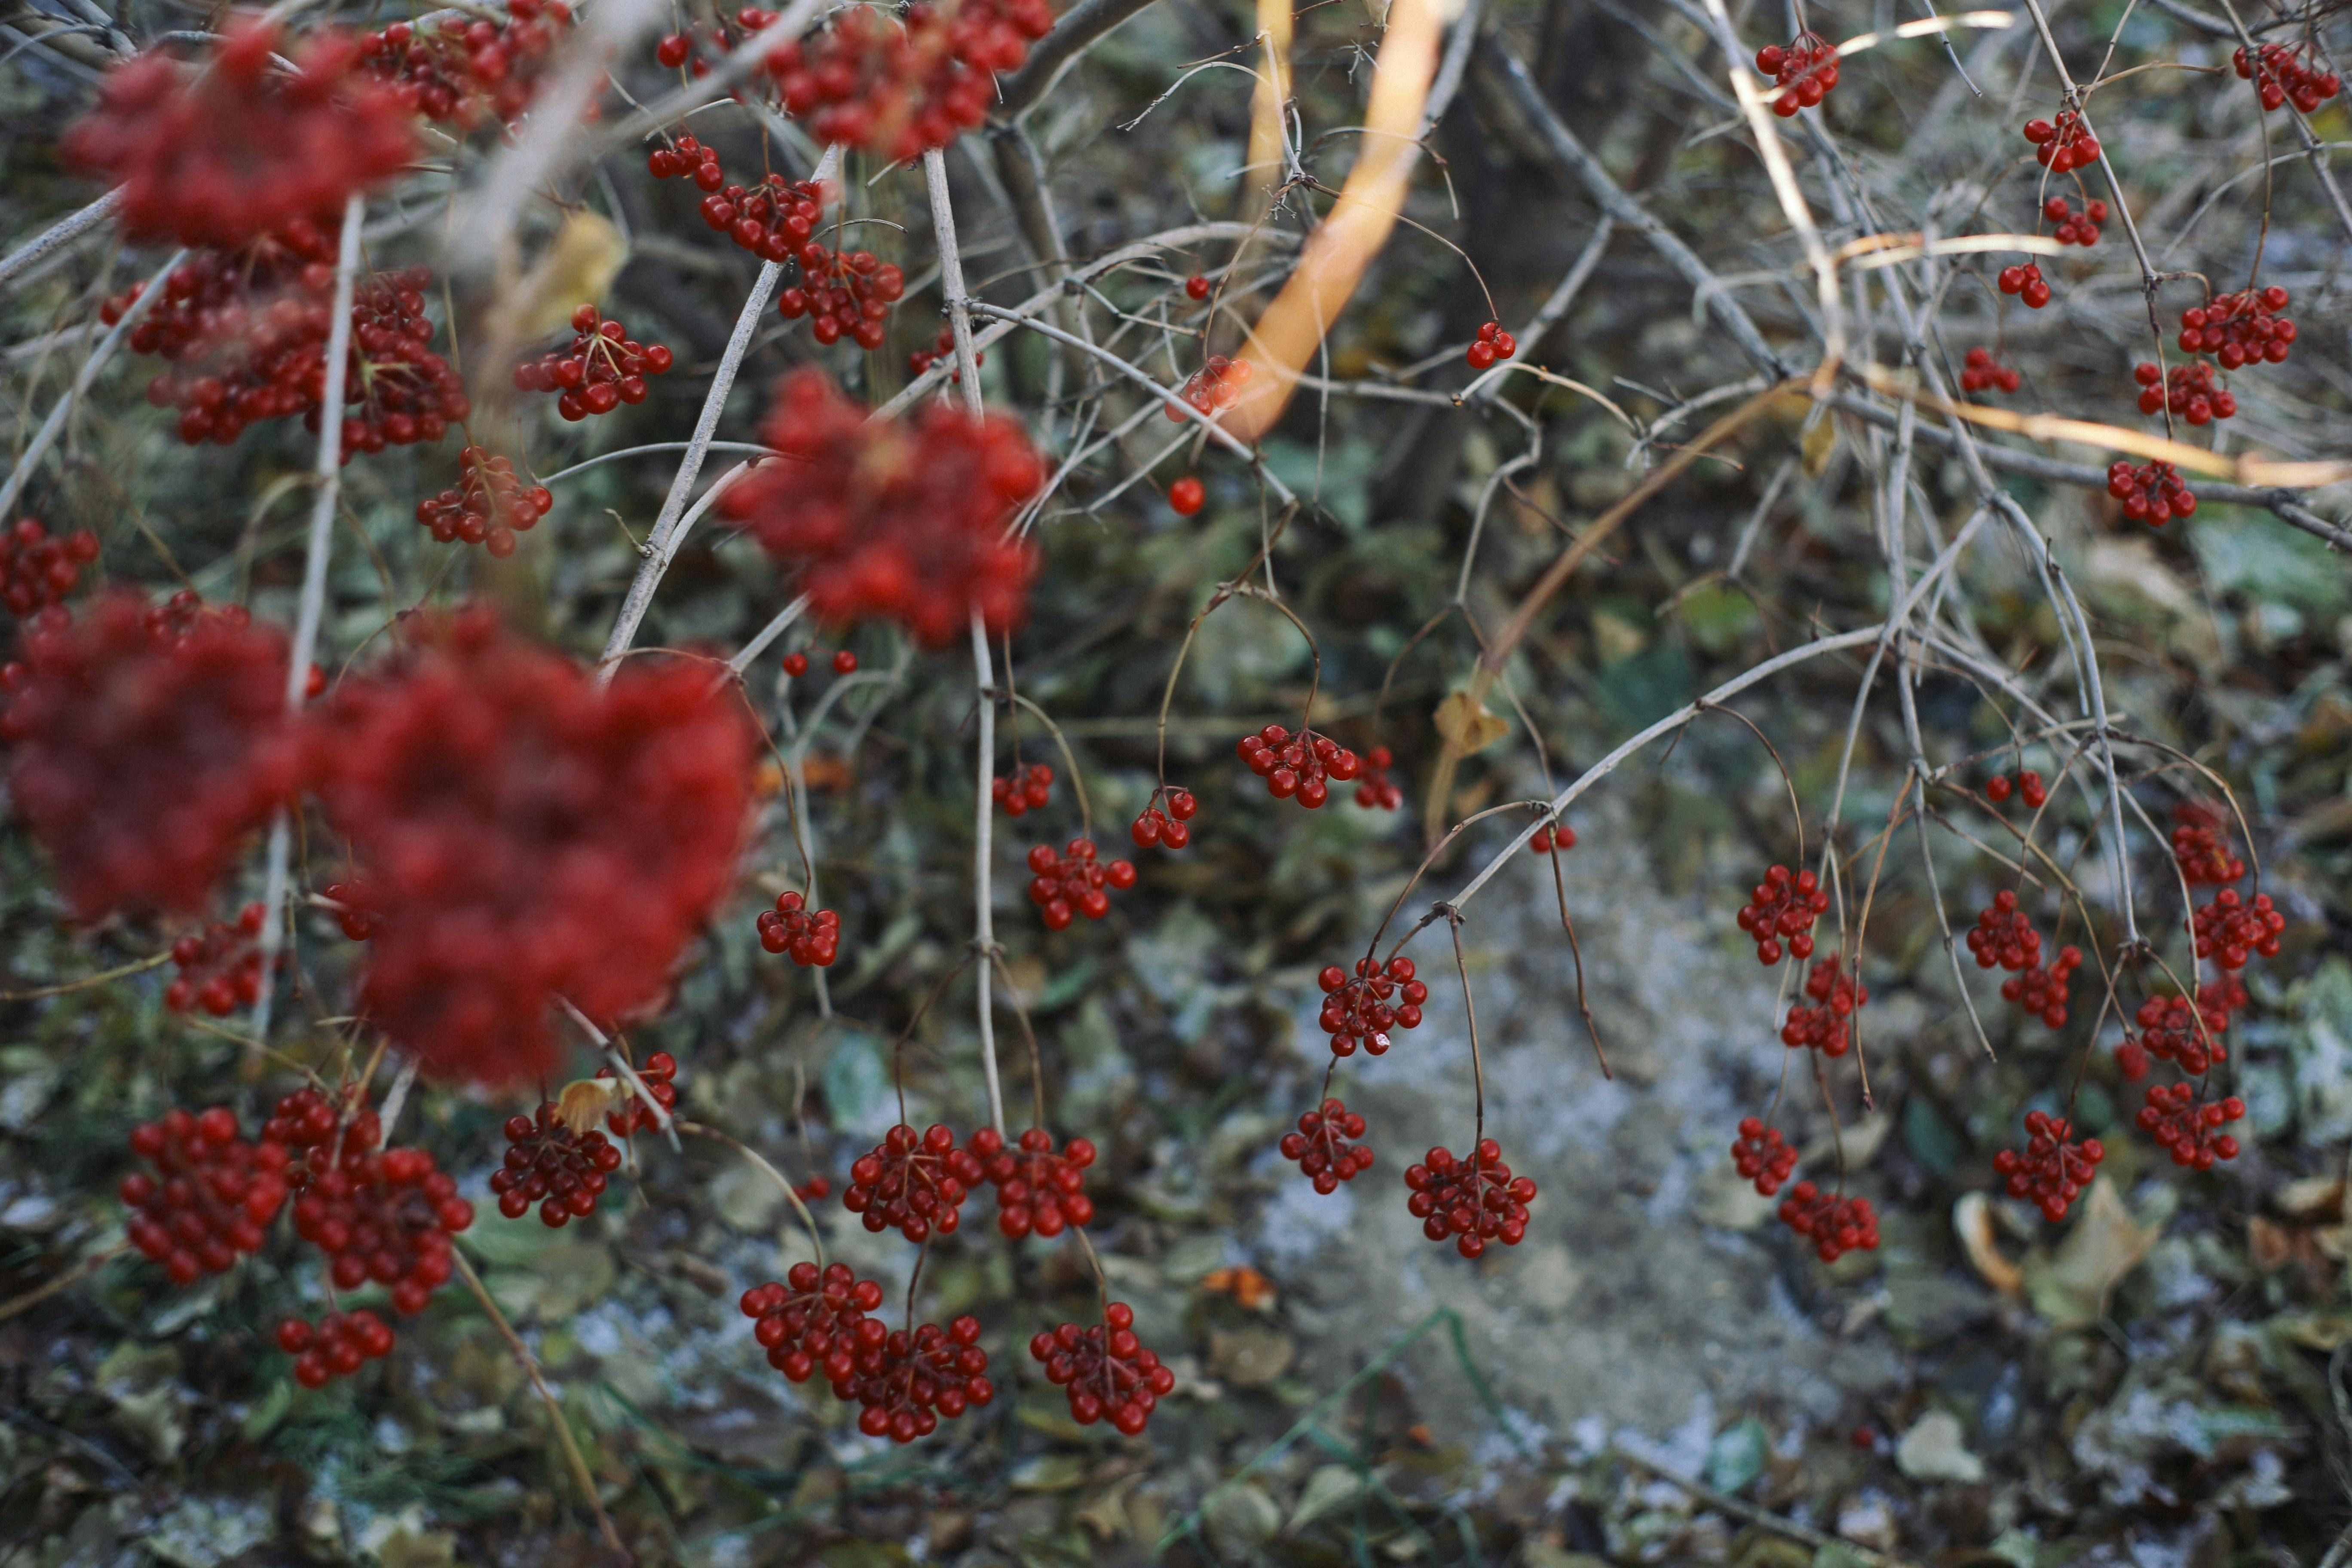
{"x":1819,"y":441}
{"x":2313,"y":1197}
{"x":2071,"y":1285}
{"x":2269,"y":1244}
{"x":1468,"y":726}
{"x":1972,"y":1218}
{"x":577,"y":266}
{"x":585,"y":1103}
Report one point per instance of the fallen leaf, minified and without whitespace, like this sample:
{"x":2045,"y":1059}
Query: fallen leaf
{"x":1250,"y":1357}
{"x":2269,"y":1245}
{"x":1246,"y":1286}
{"x":1329,"y":1489}
{"x":2071,"y":1287}
{"x":1935,"y":1449}
{"x":1972,"y":1218}
{"x":1468,"y":726}
{"x":2312,"y":1198}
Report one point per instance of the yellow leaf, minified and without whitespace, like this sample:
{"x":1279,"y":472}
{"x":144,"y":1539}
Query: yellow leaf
{"x":585,"y":1103}
{"x":1972,"y":1217}
{"x":577,"y":268}
{"x":1467,"y":726}
{"x":1821,"y":441}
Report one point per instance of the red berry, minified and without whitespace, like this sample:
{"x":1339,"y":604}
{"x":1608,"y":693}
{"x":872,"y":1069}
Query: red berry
{"x":1186,"y":496}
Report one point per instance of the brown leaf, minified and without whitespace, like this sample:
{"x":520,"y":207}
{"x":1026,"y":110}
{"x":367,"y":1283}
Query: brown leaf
{"x":584,"y":1101}
{"x":2269,"y":1244}
{"x":1468,"y":726}
{"x":1972,"y":1218}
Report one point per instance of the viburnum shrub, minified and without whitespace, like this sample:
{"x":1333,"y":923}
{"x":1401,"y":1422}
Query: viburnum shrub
{"x":548,"y":1163}
{"x":2042,"y":993}
{"x":2200,"y":847}
{"x":225,"y":148}
{"x":602,"y":367}
{"x":337,"y":1345}
{"x":2282,"y":71}
{"x":576,"y":837}
{"x":1166,"y":819}
{"x":917,"y":1377}
{"x":1836,"y":1224}
{"x":1822,"y":1026}
{"x":2024,"y":280}
{"x":885,"y":517}
{"x":2229,"y":929}
{"x":2054,"y":1166}
{"x":2187,"y":1125}
{"x":381,"y":1217}
{"x":1552,"y":838}
{"x":37,"y":570}
{"x":1186,"y":496}
{"x":659,"y":1075}
{"x":2076,"y":225}
{"x":2188,"y":390}
{"x":2028,"y":785}
{"x":2063,"y":143}
{"x":1105,"y":1369}
{"x":1375,"y":791}
{"x":898,"y":85}
{"x":942,"y":352}
{"x":2241,"y":329}
{"x":1215,"y":387}
{"x":815,"y":1322}
{"x":1023,"y":790}
{"x":1763,"y":1155}
{"x":145,"y":743}
{"x":843,"y":292}
{"x":1981,"y":372}
{"x":1492,"y":343}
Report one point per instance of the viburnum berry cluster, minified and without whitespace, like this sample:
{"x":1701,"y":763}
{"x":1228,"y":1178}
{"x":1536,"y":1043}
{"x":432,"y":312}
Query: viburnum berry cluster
{"x":210,"y":1198}
{"x":1301,"y":766}
{"x":1552,"y":838}
{"x":816,"y":1321}
{"x":2075,"y":225}
{"x":1164,"y":819}
{"x":2241,"y":329}
{"x":1105,"y":1369}
{"x":2200,"y":847}
{"x":897,"y":518}
{"x":2229,"y":929}
{"x":1804,"y":69}
{"x":2152,"y":493}
{"x":338,"y":1346}
{"x":2024,"y":280}
{"x":1322,"y":1150}
{"x":2281,"y":72}
{"x":2042,"y":993}
{"x":1492,"y":343}
{"x":2188,"y":390}
{"x":37,"y":570}
{"x":216,"y":153}
{"x":404,"y":392}
{"x":2175,"y":1029}
{"x":2054,"y":1166}
{"x":385,"y":1217}
{"x":578,"y":836}
{"x":1375,"y":791}
{"x":915,"y":1183}
{"x":2028,"y":785}
{"x":1979,"y":372}
{"x":1781,"y":908}
{"x":220,"y":967}
{"x":813,"y":937}
{"x":896,"y":86}
{"x":2187,"y":1125}
{"x":146,"y":745}
{"x":843,"y":292}
{"x":1474,"y":1200}
{"x":1357,"y":1011}
{"x":796,"y":663}
{"x":922,"y":1376}
{"x":602,"y":367}
{"x":547,"y":1163}
{"x":1823,"y":1026}
{"x":633,"y":1115}
{"x":942,"y":352}
{"x":1072,"y":883}
{"x":2004,"y":935}
{"x":1763,"y":1155}
{"x":1836,"y":1224}
{"x":687,"y":158}
{"x":461,"y":69}
{"x":489,"y":506}
{"x":2062,"y":143}
{"x":1037,"y":1189}
{"x":1215,"y":387}
{"x":1023,"y":790}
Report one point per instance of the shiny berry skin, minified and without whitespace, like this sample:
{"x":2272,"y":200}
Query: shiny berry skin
{"x":1357,"y":1010}
{"x":1804,"y":69}
{"x":816,"y":1324}
{"x":2240,"y":330}
{"x":1783,"y":908}
{"x":1023,"y":790}
{"x":2184,"y":1124}
{"x":1165,"y":819}
{"x":1473,"y":1201}
{"x":1303,"y":765}
{"x":1375,"y":791}
{"x":2066,"y":143}
{"x":210,"y":1198}
{"x":1074,"y":882}
{"x":489,"y":506}
{"x":920,"y":1377}
{"x":1553,"y":839}
{"x":1213,"y":389}
{"x":338,"y":1346}
{"x":1105,"y":1371}
{"x":1037,"y":1190}
{"x":813,"y":938}
{"x":895,"y":87}
{"x":1492,"y":343}
{"x":1186,"y":495}
{"x":1196,"y":287}
{"x":2025,"y":282}
{"x":2042,"y":993}
{"x":547,"y":1163}
{"x":2004,"y":935}
{"x":220,"y":968}
{"x":601,"y":368}
{"x":915,"y":1183}
{"x":795,"y":664}
{"x":1763,"y":1155}
{"x":38,"y":571}
{"x":467,"y":67}
{"x":2282,"y":71}
{"x":2231,"y":929}
{"x":2200,"y":845}
{"x":2152,"y":493}
{"x":381,"y":1217}
{"x":1322,"y":1150}
{"x":660,"y":1077}
{"x":1822,"y":1026}
{"x":1836,"y":1225}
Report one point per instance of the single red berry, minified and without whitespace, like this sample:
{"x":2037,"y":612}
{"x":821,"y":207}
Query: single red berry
{"x":1186,"y":496}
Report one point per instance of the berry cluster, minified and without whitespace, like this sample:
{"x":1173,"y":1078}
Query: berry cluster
{"x":404,"y":391}
{"x":2229,"y":929}
{"x":914,"y":1182}
{"x":1822,"y":1026}
{"x":1804,"y":69}
{"x":600,"y":369}
{"x":2075,"y":225}
{"x":817,"y":1322}
{"x":1163,"y":818}
{"x":220,"y":967}
{"x":921,"y":1376}
{"x":308,"y":1119}
{"x":1375,"y":791}
{"x":1215,"y":387}
{"x":2029,"y":786}
{"x":899,"y":518}
{"x":813,"y":938}
{"x":1023,"y":790}
{"x":1356,"y":1010}
{"x":1491,"y":345}
{"x":147,"y":743}
{"x":1321,"y":1146}
{"x":688,"y":159}
{"x":350,"y":908}
{"x":1105,"y":1369}
{"x":2024,"y":280}
{"x":898,"y":86}
{"x":1763,"y":1155}
{"x":2042,"y":993}
{"x":2152,"y":493}
{"x":467,"y":67}
{"x":2188,"y":1035}
{"x":218,"y":154}
{"x":941,"y":351}
{"x":1475,"y":1201}
{"x":2003,"y":935}
{"x":843,"y":292}
{"x":489,"y":508}
{"x":660,"y":1078}
{"x":2201,"y":847}
{"x":1036,"y":1189}
{"x":2239,"y":329}
{"x":1552,"y":838}
{"x":1187,"y":496}
{"x":1979,"y":372}
{"x":337,"y":1346}
{"x":1836,"y":1224}
{"x":2055,"y":1167}
{"x":210,"y":1196}
{"x":2066,"y":143}
{"x":549,"y":1164}
{"x":1302,"y":765}
{"x":385,"y":1217}
{"x":795,"y":663}
{"x":1782,"y":907}
{"x":2280,"y":73}
{"x":38,"y":571}
{"x":2188,"y":390}
{"x":1071,"y":883}
{"x":2186,"y":1124}
{"x":575,"y":839}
